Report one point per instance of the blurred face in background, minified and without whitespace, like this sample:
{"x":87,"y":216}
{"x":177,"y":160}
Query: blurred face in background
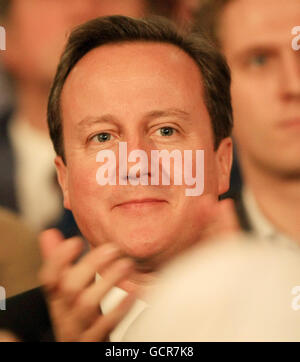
{"x":257,"y":41}
{"x":37,"y":30}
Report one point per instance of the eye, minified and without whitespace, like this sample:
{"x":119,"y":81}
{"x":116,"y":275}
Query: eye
{"x":258,"y":59}
{"x":166,"y":131}
{"x":102,"y":137}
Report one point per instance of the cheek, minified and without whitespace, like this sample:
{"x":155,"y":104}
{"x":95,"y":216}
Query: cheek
{"x":247,"y":111}
{"x":210,"y":173}
{"x":252,"y":102}
{"x":241,"y":97}
{"x":210,"y":181}
{"x":87,"y":201}
{"x":83,"y":188}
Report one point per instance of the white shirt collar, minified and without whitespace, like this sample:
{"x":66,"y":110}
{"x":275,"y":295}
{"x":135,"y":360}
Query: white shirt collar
{"x":260,"y":224}
{"x":110,"y":301}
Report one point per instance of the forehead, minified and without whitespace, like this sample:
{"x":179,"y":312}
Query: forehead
{"x":140,"y":73}
{"x":245,"y":24}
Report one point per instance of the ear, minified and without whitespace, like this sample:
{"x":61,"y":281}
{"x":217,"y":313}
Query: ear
{"x":223,"y":163}
{"x":62,"y":175}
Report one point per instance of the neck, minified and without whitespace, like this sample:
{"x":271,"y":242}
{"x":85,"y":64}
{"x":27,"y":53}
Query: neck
{"x":32,"y":105}
{"x":278,"y":198}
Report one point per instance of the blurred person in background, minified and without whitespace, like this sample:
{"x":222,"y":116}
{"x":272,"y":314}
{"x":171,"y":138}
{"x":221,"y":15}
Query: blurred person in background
{"x":19,"y":255}
{"x":181,"y":12}
{"x":255,"y":36}
{"x":36,"y":31}
{"x":6,"y":94}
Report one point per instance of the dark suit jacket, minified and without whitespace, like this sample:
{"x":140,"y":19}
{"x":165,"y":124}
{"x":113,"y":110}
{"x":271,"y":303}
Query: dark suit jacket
{"x":27,"y":316}
{"x":7,"y":166}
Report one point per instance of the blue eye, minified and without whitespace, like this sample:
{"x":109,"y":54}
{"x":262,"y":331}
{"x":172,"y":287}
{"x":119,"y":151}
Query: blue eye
{"x":103,"y":137}
{"x":166,"y":131}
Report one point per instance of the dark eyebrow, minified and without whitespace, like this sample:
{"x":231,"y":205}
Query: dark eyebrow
{"x":170,"y":112}
{"x":109,"y":118}
{"x":89,"y":120}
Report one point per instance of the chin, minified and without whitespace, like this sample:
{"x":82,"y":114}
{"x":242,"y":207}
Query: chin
{"x":143,"y":244}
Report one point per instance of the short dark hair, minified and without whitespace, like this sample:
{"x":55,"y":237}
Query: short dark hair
{"x":207,"y":19}
{"x":120,"y":29}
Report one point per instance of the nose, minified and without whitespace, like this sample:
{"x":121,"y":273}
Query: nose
{"x":135,"y":161}
{"x":290,"y":73}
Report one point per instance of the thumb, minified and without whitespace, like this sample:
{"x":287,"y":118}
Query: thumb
{"x":49,"y":240}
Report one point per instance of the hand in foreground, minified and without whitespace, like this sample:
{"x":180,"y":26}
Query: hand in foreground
{"x":72,"y":295}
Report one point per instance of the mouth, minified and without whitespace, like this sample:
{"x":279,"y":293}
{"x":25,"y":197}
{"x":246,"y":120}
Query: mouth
{"x":141,"y":203}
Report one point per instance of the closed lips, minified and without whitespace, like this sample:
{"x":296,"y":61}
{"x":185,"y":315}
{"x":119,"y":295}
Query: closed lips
{"x":140,"y":201}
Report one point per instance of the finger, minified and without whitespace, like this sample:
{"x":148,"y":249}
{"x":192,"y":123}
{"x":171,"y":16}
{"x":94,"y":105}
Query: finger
{"x":105,"y":324}
{"x":61,"y":258}
{"x":83,"y":273}
{"x":49,"y":240}
{"x":87,"y":304}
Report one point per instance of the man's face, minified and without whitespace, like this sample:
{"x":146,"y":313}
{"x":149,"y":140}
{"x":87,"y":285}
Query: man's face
{"x":257,"y":41}
{"x":37,"y":30}
{"x":149,"y":95}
